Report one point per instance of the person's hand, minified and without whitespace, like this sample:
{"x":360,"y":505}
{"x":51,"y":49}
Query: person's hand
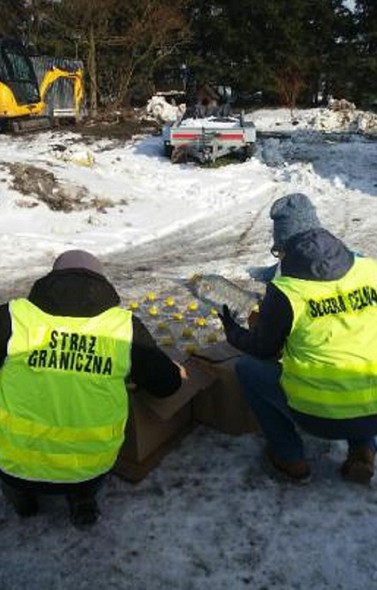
{"x":226,"y":318}
{"x":182,"y":370}
{"x":253,"y":318}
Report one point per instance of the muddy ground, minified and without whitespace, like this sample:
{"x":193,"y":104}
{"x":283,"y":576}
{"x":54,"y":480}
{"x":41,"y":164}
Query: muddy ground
{"x":122,"y":125}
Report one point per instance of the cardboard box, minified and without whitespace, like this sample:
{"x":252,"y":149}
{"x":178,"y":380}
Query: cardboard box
{"x":222,"y":404}
{"x":149,"y":438}
{"x":156,"y":425}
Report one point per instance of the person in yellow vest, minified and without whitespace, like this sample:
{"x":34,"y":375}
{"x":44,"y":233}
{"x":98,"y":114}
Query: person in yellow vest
{"x":66,"y":353}
{"x":312,"y":356}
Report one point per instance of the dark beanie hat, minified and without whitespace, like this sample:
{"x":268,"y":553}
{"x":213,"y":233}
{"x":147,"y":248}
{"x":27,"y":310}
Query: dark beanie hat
{"x":292,"y":214}
{"x":78,"y":259}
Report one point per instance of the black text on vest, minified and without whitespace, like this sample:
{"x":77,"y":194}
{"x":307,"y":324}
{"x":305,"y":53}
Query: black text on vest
{"x":71,"y":352}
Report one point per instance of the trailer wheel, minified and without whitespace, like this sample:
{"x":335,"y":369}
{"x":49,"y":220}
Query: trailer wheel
{"x":247,"y":152}
{"x":168,"y":150}
{"x":179,"y":154}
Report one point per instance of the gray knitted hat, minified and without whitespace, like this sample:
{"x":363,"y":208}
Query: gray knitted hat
{"x":78,"y":259}
{"x":292,"y":214}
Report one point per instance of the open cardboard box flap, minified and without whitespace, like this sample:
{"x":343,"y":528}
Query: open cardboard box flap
{"x":197,"y":380}
{"x":214,"y":355}
{"x":199,"y":377}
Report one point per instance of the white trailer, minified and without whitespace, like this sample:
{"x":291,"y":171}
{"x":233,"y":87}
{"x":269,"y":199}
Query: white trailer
{"x":206,"y":139}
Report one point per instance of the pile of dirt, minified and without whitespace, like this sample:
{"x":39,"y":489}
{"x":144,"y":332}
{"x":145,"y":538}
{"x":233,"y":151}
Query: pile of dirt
{"x":40,"y":185}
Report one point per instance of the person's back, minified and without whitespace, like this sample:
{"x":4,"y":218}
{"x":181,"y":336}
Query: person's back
{"x":318,"y":317}
{"x":333,"y":299}
{"x":65,"y":355}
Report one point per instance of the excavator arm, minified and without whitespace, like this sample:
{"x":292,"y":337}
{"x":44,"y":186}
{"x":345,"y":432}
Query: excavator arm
{"x":55,"y":74}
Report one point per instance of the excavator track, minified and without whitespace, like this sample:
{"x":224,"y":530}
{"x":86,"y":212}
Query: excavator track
{"x":29,"y":125}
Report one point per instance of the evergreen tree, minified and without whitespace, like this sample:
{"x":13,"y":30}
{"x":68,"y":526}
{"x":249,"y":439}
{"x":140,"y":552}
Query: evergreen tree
{"x":365,"y":71}
{"x":328,"y":51}
{"x":13,"y":18}
{"x":293,"y":50}
{"x":284,"y":47}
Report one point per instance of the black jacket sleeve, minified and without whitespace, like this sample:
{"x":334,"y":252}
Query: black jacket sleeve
{"x":267,"y":338}
{"x":5,"y":331}
{"x":151,"y":368}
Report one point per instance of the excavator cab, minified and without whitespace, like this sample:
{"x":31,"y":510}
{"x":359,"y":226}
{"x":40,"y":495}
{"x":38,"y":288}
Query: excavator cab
{"x":19,"y":91}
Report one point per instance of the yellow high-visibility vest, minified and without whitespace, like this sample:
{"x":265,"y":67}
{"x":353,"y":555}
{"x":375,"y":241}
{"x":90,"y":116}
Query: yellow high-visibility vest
{"x":330,"y":357}
{"x":63,"y":400}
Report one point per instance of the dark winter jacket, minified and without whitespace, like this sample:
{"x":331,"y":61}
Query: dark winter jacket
{"x":315,"y":255}
{"x":82,"y":293}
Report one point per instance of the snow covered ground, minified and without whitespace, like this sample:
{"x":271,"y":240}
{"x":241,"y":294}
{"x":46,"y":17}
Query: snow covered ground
{"x":210,"y":516}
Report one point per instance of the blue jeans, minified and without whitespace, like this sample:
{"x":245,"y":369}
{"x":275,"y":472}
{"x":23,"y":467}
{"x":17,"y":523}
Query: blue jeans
{"x":260,"y":380}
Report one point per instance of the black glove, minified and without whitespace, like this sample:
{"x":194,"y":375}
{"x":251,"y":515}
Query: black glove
{"x":226,"y":318}
{"x":234,"y":333}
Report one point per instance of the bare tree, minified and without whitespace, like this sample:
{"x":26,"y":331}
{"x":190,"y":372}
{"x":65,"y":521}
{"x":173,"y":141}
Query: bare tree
{"x":85,"y":24}
{"x":124,"y":36}
{"x":154,"y":31}
{"x":289,"y":83}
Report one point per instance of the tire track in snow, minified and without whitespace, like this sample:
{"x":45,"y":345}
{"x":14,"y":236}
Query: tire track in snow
{"x":248,"y":235}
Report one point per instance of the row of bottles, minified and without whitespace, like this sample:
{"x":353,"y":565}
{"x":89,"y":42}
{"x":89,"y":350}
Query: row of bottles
{"x":185,"y":325}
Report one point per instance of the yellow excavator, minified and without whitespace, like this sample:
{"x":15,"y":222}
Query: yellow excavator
{"x":24,"y":102}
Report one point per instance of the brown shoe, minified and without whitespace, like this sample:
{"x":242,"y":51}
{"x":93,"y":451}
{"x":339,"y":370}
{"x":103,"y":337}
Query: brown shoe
{"x":359,"y":465}
{"x":296,"y":471}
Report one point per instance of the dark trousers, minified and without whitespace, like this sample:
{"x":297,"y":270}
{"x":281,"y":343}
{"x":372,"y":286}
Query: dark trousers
{"x":23,"y":494}
{"x":260,"y":381}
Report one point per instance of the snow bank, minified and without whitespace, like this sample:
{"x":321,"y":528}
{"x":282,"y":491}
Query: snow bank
{"x":213,"y":122}
{"x":158,"y":108}
{"x":347,"y":120}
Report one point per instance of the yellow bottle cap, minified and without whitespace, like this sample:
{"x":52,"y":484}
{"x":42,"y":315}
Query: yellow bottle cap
{"x":191,"y":348}
{"x":187,"y":333}
{"x":133,"y":305}
{"x":169,"y":301}
{"x":178,"y":317}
